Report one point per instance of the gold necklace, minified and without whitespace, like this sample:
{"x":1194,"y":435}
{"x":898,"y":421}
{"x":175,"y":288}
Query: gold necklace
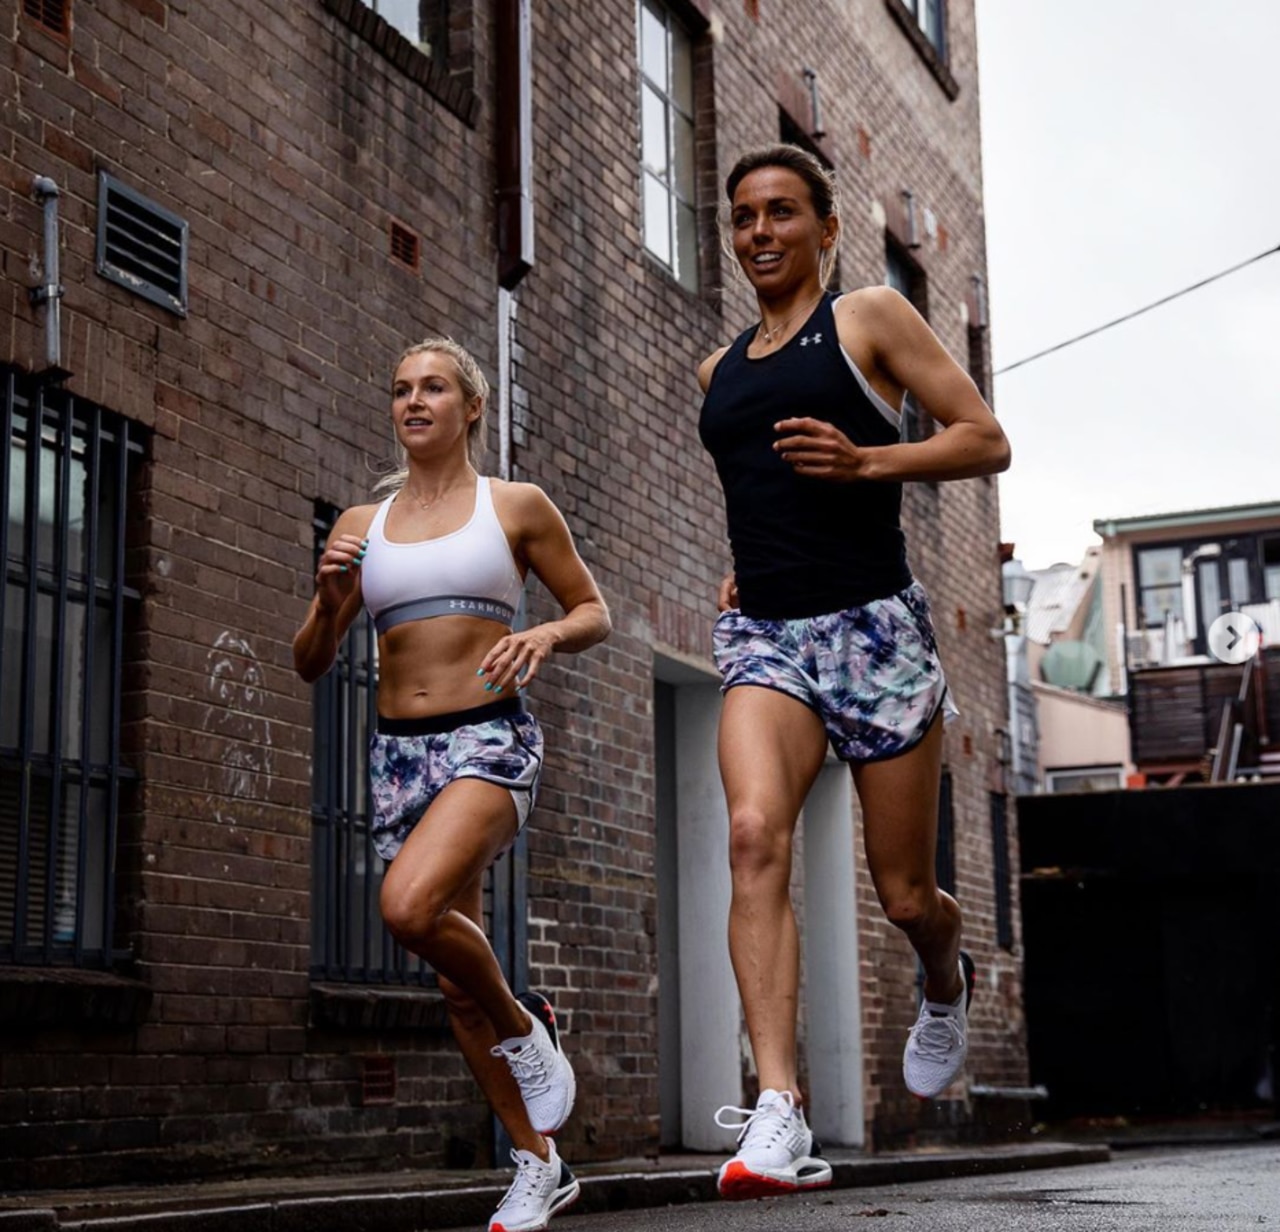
{"x":425,"y":504}
{"x":770,"y":334}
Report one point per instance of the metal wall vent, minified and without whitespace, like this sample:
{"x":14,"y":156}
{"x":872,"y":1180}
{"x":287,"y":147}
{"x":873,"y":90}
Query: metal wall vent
{"x":141,"y":245}
{"x":405,"y":246}
{"x":378,"y":1080}
{"x":53,"y":15}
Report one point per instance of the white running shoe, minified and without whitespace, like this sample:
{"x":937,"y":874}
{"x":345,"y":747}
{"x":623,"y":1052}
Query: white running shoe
{"x":776,"y":1150}
{"x":939,"y":1042}
{"x":539,"y":1191}
{"x":540,"y":1068}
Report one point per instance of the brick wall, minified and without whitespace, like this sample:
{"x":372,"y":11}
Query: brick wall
{"x":289,"y":143}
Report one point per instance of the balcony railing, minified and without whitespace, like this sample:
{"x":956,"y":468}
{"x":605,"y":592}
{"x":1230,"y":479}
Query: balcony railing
{"x":1216,"y":717}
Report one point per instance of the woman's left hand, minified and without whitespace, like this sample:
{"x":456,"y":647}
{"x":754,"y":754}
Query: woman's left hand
{"x":514,"y":660}
{"x":818,"y":450}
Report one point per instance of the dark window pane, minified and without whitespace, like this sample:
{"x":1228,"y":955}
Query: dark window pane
{"x":57,"y":820}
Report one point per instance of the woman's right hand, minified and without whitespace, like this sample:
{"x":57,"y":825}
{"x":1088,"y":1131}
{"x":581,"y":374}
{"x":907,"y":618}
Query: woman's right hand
{"x":728,"y":595}
{"x":336,"y":576}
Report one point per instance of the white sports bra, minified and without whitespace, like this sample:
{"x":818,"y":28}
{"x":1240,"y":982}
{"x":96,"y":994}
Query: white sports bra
{"x":469,"y":572}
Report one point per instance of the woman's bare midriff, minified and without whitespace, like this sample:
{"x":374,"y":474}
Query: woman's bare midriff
{"x":428,"y":667}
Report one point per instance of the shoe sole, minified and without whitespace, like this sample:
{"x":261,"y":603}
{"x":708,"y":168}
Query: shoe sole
{"x":557,"y":1206}
{"x":738,"y":1183}
{"x":540,"y":1008}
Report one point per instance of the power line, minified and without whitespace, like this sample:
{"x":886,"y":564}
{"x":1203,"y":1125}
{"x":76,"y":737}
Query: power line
{"x":1195,"y":286}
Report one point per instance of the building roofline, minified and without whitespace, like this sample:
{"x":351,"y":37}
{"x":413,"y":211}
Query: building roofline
{"x":1109,"y":527}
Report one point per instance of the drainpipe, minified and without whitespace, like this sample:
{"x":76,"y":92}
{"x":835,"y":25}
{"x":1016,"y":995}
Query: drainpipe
{"x":513,"y":158}
{"x":50,"y":292}
{"x":513,"y":140}
{"x":506,"y":331}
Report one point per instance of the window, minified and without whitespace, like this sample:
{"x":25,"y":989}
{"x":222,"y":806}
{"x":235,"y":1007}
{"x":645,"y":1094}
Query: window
{"x":349,"y":943}
{"x":1084,"y":778}
{"x":930,"y":16}
{"x":429,"y":41}
{"x":1000,"y":869}
{"x":422,"y":22}
{"x":1238,"y":581}
{"x":907,"y":278}
{"x":924,"y":22}
{"x":1159,"y":585}
{"x":945,"y":857}
{"x":978,"y":359}
{"x":68,"y":469}
{"x":666,"y":141}
{"x":1271,"y":569}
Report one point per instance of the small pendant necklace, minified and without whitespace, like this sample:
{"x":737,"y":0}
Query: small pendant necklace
{"x":429,"y":504}
{"x":769,"y":335}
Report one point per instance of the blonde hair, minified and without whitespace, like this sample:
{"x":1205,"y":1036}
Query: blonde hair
{"x":473,"y":384}
{"x":822,"y":191}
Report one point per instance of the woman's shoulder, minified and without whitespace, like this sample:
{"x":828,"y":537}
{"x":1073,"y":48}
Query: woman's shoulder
{"x":356,"y":520}
{"x":875,"y":321}
{"x":524,"y":509}
{"x":874,"y":301}
{"x":518,"y":497}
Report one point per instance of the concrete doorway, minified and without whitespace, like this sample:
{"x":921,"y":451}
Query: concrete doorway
{"x":699,"y":1049}
{"x":833,"y":992}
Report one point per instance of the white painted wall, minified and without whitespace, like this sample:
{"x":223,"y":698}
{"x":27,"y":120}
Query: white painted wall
{"x":710,"y":1043}
{"x":832,"y":989}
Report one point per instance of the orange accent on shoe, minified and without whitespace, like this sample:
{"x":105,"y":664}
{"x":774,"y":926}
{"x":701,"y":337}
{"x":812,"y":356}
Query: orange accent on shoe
{"x":739,"y":1183}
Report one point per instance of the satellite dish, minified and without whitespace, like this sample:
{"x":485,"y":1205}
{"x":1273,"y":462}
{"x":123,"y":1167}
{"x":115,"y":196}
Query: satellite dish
{"x":1071,"y":665}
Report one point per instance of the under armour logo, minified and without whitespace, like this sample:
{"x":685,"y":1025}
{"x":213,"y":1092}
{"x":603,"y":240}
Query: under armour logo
{"x":814,"y":338}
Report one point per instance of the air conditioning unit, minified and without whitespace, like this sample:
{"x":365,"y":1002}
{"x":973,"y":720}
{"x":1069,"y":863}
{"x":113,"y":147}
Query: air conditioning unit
{"x":1140,"y":650}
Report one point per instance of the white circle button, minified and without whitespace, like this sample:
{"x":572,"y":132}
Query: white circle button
{"x":1234,"y":637}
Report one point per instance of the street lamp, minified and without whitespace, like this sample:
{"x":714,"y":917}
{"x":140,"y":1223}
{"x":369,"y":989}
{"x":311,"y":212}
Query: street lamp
{"x":1016,"y":585}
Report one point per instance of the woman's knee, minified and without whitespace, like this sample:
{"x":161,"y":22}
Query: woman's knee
{"x":759,"y":845}
{"x":410,"y":918}
{"x":909,"y":906}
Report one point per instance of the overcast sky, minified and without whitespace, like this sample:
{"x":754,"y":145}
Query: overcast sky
{"x":1130,"y":148}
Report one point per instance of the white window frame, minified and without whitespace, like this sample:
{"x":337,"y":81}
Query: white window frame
{"x":678,"y":249}
{"x":1055,"y":780}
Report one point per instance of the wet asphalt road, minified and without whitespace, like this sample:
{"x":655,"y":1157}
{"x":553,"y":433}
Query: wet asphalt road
{"x":1200,"y":1189}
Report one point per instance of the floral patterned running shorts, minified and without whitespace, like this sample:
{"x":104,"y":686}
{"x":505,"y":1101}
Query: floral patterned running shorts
{"x":411,"y":761}
{"x":870,"y":673}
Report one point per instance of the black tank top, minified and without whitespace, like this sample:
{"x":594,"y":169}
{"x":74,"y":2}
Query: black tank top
{"x":801,"y":546}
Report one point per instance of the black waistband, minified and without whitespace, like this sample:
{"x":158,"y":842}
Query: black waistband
{"x":435,"y":724}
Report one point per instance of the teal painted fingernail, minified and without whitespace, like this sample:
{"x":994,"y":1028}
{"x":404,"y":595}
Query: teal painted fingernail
{"x":479,"y":671}
{"x":498,"y":689}
{"x":488,"y":687}
{"x":365,"y":542}
{"x":342,"y":568}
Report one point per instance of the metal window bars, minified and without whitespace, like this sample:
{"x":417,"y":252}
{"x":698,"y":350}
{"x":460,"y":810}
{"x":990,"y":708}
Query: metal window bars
{"x":66,"y":475}
{"x":349,"y":943}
